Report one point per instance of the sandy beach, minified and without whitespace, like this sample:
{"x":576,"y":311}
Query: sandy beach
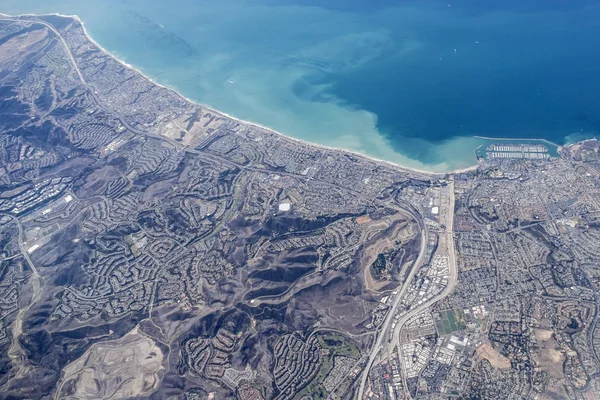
{"x":271,"y":130}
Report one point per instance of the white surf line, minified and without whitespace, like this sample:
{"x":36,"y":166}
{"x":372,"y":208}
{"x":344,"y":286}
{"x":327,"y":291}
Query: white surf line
{"x":270,"y":130}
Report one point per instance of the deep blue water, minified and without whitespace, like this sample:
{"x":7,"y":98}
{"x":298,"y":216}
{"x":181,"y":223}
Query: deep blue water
{"x":529,"y":73}
{"x":408,"y":81}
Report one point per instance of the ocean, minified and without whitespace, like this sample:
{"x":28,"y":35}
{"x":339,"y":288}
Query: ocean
{"x":411,"y":82}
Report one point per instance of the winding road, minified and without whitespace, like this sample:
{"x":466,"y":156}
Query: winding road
{"x":452,"y":279}
{"x":392,"y":312}
{"x":15,"y":351}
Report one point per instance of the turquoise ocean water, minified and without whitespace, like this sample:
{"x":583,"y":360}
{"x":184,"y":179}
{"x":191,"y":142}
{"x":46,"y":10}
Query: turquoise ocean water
{"x":407,"y":81}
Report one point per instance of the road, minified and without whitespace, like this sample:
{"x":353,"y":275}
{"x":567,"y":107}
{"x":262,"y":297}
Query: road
{"x":90,"y":89}
{"x":392,"y":312}
{"x":452,"y":273}
{"x":452,"y":279}
{"x":15,"y":351}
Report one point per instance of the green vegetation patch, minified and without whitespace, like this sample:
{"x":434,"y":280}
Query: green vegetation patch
{"x":339,"y":345}
{"x":461,"y":319}
{"x":440,"y":327}
{"x":450,"y":321}
{"x":378,"y":268}
{"x":446,"y":325}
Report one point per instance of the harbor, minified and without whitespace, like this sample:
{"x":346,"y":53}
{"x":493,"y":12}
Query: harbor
{"x":530,"y":149}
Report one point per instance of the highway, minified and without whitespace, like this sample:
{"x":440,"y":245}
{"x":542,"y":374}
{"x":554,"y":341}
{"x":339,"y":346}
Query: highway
{"x":452,"y":274}
{"x":392,"y":312}
{"x":384,"y":329}
{"x":16,"y":351}
{"x":452,"y":279}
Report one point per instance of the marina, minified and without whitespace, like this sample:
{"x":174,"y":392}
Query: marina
{"x":530,"y":149}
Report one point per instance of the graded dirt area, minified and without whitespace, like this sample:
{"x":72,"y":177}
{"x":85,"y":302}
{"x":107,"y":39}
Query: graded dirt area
{"x":402,"y":232}
{"x":543,"y":335}
{"x":115,"y":369}
{"x":549,"y":355}
{"x":550,"y":359}
{"x":496,"y":359}
{"x":17,"y":45}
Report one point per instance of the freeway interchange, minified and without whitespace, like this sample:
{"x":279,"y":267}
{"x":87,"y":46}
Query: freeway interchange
{"x":387,"y":342}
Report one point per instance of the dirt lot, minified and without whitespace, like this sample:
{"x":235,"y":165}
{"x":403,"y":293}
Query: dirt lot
{"x":116,"y":369}
{"x":496,"y":359}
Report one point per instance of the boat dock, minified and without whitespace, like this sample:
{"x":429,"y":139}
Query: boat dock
{"x":531,"y":151}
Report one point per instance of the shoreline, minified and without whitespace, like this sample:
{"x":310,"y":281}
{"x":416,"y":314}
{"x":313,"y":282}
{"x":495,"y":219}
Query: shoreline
{"x":391,"y":164}
{"x":271,"y":130}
